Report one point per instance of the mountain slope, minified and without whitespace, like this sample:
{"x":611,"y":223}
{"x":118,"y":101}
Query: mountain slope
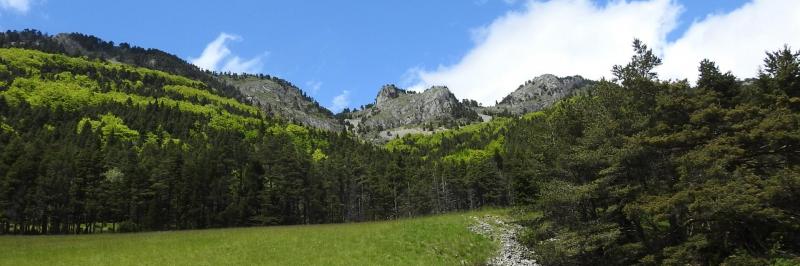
{"x":89,"y":141}
{"x":397,"y":109}
{"x":398,"y":112}
{"x":280,"y":98}
{"x":85,"y":142}
{"x":244,"y":90}
{"x":78,"y":44}
{"x":538,"y":93}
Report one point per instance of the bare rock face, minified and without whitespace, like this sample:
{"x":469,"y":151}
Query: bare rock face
{"x":538,"y":93}
{"x":387,"y":93}
{"x":395,"y":108}
{"x":280,"y":98}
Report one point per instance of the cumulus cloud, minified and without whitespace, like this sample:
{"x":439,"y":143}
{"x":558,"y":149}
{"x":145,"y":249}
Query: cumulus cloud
{"x":217,"y":56}
{"x":736,"y":41}
{"x":568,"y":37}
{"x":340,"y":101}
{"x":559,"y":37}
{"x":21,"y":6}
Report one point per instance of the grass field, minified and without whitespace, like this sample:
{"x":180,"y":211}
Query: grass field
{"x":435,"y":240}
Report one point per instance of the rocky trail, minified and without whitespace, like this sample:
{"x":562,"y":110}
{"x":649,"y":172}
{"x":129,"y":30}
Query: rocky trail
{"x":511,"y":253}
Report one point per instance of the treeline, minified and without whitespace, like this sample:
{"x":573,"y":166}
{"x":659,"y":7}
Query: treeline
{"x":89,"y":146}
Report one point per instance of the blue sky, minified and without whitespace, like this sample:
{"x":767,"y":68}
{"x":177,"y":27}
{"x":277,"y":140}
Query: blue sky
{"x":336,"y":48}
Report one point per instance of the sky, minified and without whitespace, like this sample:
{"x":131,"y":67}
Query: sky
{"x":342,"y":52}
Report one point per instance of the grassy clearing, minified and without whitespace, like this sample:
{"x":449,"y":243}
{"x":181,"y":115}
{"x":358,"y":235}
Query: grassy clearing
{"x":435,"y":240}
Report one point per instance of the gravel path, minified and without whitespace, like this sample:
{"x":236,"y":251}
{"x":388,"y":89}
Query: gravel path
{"x":511,"y":252}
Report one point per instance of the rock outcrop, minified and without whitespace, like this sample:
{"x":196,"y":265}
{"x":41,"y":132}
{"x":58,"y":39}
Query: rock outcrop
{"x":538,"y":93}
{"x":282,"y":99}
{"x":395,"y":108}
{"x":387,"y":93}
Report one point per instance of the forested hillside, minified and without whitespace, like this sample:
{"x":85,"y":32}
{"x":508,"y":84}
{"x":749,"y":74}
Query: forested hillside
{"x":78,"y":44}
{"x":280,"y":98}
{"x":91,"y":145}
{"x":657,"y":172}
{"x":634,"y":170}
{"x":639,"y":170}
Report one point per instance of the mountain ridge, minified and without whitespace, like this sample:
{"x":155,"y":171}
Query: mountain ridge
{"x":394,"y":111}
{"x":537,"y":93}
{"x":281,"y":98}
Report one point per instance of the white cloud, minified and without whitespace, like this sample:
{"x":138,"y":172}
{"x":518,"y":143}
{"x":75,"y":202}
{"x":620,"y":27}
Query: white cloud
{"x":340,"y":101}
{"x":21,"y":6}
{"x":736,"y":41}
{"x":214,"y":52}
{"x":218,"y":57}
{"x":238,"y":65}
{"x":568,"y":37}
{"x":559,"y":37}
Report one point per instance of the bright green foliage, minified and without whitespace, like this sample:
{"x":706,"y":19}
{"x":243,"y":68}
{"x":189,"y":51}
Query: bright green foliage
{"x":32,"y":62}
{"x":73,"y":92}
{"x":464,"y":165}
{"x":86,"y":143}
{"x":300,"y":136}
{"x":318,"y":155}
{"x":67,"y":95}
{"x":203,"y":95}
{"x":7,"y":129}
{"x":110,"y":127}
{"x":439,"y":144}
{"x":435,"y":240}
{"x":635,"y":171}
{"x":467,"y":155}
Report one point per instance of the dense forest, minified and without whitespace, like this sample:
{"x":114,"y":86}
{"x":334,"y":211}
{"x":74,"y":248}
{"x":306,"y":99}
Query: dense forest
{"x":638,"y":170}
{"x":633,"y":170}
{"x":92,"y":146}
{"x":643,"y":171}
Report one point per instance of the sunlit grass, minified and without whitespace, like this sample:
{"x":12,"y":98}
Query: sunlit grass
{"x":435,"y":240}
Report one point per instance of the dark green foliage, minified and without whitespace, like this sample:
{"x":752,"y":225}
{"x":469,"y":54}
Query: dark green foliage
{"x":644,"y":171}
{"x":91,"y":146}
{"x":704,"y":175}
{"x":635,"y":171}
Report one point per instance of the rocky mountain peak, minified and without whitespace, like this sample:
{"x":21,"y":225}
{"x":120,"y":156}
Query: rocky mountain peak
{"x":388,"y":92}
{"x":397,"y":110}
{"x":439,"y":91}
{"x":544,"y":87}
{"x":538,"y":93}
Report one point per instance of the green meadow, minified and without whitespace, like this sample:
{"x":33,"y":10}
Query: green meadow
{"x":434,"y":240}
